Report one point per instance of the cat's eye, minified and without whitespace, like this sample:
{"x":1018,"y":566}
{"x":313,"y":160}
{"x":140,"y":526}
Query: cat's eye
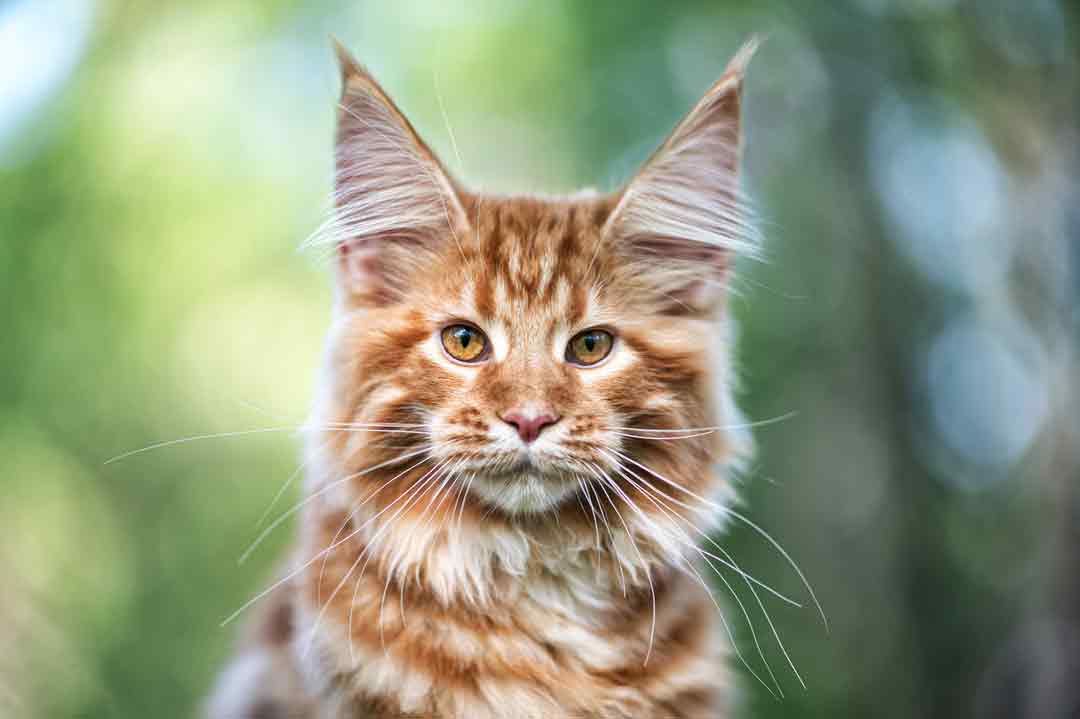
{"x":464,"y":343}
{"x":589,"y":347}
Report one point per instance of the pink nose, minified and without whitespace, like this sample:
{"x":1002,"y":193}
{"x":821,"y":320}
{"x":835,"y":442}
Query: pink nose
{"x":529,"y":423}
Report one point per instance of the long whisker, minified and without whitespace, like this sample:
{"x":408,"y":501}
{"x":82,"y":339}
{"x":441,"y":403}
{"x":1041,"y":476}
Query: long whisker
{"x":376,"y":424}
{"x":783,"y":552}
{"x":707,"y":502}
{"x":273,"y":525}
{"x":682,"y":537}
{"x":633,"y":543}
{"x":291,"y":575}
{"x":592,"y":510}
{"x":242,"y":433}
{"x":779,"y":595}
{"x":389,"y":572}
{"x":750,"y":625}
{"x":464,"y":498}
{"x":663,"y":431}
{"x":611,"y":535}
{"x":447,"y":482}
{"x":709,"y":558}
{"x":413,"y":493}
{"x":348,"y":518}
{"x":447,"y":474}
{"x":727,"y":627}
{"x":285,"y":486}
{"x":740,"y":425}
{"x":731,"y":512}
{"x":458,"y":484}
{"x":666,"y":510}
{"x":457,"y":491}
{"x":198,"y":437}
{"x":663,"y":438}
{"x":772,"y":627}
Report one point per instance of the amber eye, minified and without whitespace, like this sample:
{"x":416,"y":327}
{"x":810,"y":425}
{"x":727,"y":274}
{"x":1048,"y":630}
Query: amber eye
{"x":464,"y":343}
{"x":589,"y":347}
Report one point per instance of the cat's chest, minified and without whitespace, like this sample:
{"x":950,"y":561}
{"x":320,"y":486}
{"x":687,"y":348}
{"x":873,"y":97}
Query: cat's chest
{"x":549,"y":648}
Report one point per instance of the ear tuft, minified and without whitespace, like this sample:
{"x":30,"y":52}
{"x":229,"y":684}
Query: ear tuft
{"x":395,"y":204}
{"x":347,"y":64}
{"x":680,"y":220}
{"x":736,"y":68}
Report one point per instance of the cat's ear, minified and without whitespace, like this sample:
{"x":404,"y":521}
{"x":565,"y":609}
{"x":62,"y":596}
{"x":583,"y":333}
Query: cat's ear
{"x":681,"y":220}
{"x":395,"y":204}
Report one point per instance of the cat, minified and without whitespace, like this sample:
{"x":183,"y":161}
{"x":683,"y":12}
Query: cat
{"x":523,"y":432}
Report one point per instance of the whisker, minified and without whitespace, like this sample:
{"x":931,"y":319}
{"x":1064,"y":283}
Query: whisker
{"x":709,"y":558}
{"x":658,"y":431}
{"x":633,"y":543}
{"x":446,"y":482}
{"x":772,"y":628}
{"x":666,"y":510}
{"x":592,"y":511}
{"x":750,"y":626}
{"x":611,"y":534}
{"x":727,"y":628}
{"x":783,"y":552}
{"x":359,"y":578}
{"x":381,"y":430}
{"x":460,"y":487}
{"x":260,"y":430}
{"x":374,"y":424}
{"x":779,"y":595}
{"x":367,"y":423}
{"x":722,"y":427}
{"x":682,"y":536}
{"x":464,"y":498}
{"x":445,"y":474}
{"x":266,"y":532}
{"x":348,"y":518}
{"x":199,"y":437}
{"x":291,"y":575}
{"x":413,"y":494}
{"x":661,"y":437}
{"x":708,"y":503}
{"x":724,"y":621}
{"x":285,"y":486}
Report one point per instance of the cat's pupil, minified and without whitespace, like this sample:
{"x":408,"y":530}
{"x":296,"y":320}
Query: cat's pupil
{"x":590,"y":342}
{"x":464,"y":337}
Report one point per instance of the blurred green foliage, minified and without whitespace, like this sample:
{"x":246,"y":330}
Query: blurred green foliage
{"x":914,"y":166}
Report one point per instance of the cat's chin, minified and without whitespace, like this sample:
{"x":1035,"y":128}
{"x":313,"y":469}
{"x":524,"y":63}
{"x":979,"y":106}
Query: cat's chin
{"x":526,"y":491}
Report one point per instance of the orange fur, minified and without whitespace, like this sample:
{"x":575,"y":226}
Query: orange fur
{"x":448,"y":567}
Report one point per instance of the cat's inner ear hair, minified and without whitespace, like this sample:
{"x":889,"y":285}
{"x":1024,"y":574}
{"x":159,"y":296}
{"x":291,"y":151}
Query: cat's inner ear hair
{"x":681,"y":220}
{"x":394,"y":202}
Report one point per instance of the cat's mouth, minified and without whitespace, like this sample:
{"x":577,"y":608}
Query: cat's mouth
{"x":526,"y":484}
{"x":525,"y":493}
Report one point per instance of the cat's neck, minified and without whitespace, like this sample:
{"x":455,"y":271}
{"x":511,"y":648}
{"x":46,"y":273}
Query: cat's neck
{"x":485,"y":560}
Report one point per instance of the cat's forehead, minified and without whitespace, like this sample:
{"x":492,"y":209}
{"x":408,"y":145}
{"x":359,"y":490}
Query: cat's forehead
{"x":527,"y":257}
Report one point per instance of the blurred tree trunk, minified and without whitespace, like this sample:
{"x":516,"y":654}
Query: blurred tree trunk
{"x":1053,"y":680}
{"x":1037,"y":674}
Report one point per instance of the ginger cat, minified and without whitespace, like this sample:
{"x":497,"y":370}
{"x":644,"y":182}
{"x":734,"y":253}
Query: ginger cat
{"x":522,"y":435}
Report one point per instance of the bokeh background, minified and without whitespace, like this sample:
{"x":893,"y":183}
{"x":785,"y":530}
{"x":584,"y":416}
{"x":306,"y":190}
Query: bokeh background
{"x":915,"y":167}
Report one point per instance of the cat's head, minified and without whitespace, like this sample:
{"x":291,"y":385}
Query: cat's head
{"x":531,"y":356}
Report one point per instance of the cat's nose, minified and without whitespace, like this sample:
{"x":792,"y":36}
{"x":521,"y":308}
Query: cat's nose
{"x":529,"y":422}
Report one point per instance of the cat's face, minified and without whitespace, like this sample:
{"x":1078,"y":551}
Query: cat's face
{"x":527,"y":356}
{"x":529,"y":351}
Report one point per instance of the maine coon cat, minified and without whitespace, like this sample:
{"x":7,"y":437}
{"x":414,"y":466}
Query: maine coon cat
{"x":523,"y":433}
